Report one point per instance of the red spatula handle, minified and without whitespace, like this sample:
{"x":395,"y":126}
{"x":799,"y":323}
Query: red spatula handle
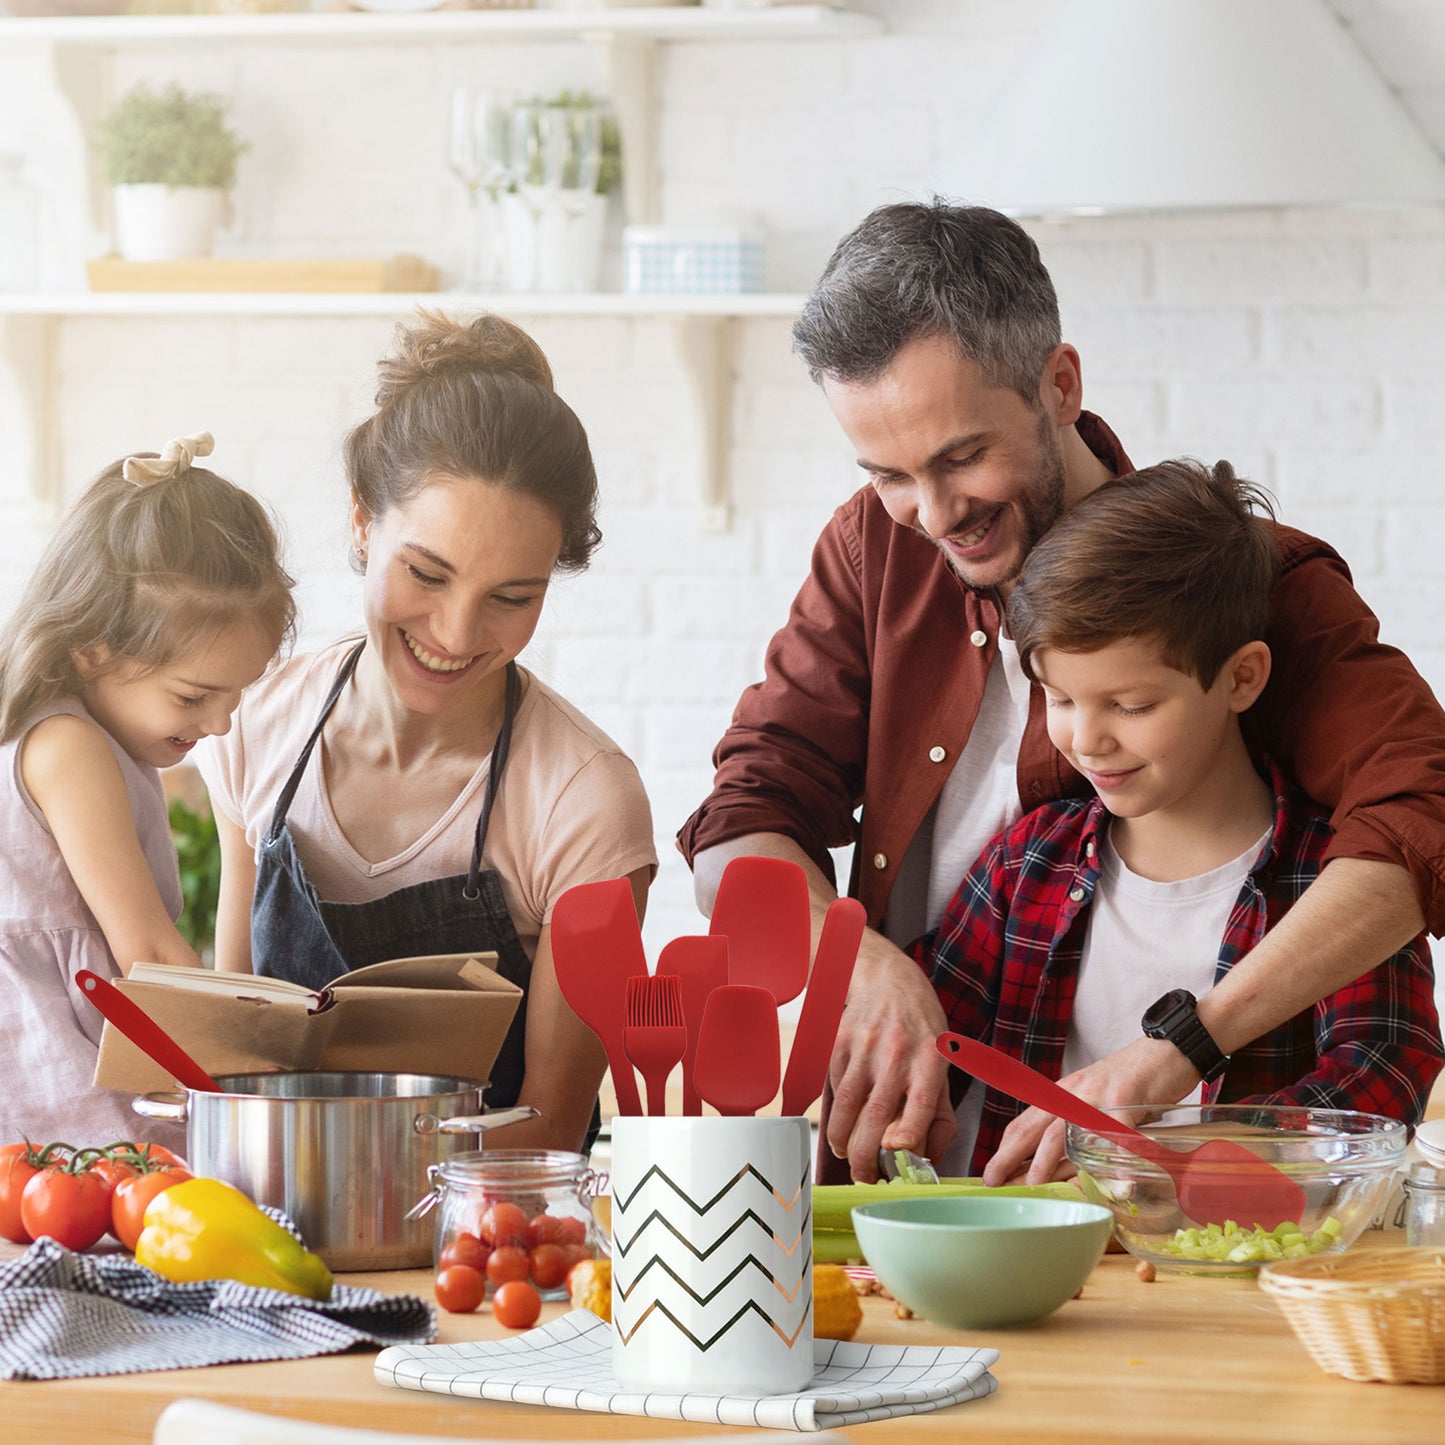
{"x":1018,"y":1081}
{"x":144,"y":1032}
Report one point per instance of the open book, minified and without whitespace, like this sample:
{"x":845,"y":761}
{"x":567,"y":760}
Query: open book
{"x":441,"y":1014}
{"x":433,"y":970}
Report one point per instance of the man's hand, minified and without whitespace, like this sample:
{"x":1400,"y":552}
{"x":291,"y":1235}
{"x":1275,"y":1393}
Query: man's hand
{"x":1147,"y":1071}
{"x":890,"y":1083}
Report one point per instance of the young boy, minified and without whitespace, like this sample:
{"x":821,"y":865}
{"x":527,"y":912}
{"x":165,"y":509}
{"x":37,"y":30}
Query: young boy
{"x":1142,"y":615}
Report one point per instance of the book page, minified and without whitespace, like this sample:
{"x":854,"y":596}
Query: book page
{"x":230,"y":985}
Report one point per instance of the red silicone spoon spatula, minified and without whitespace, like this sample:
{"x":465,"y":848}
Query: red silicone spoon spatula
{"x":738,"y":1061}
{"x":596,"y":948}
{"x":700,"y":962}
{"x":763,"y":910}
{"x":1219,"y":1180}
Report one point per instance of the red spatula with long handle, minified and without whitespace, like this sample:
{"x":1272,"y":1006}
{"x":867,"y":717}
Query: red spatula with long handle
{"x":843,"y":926}
{"x":144,"y":1032}
{"x":596,"y":948}
{"x":700,"y":962}
{"x":1219,"y":1180}
{"x":762,"y":909}
{"x":738,"y":1056}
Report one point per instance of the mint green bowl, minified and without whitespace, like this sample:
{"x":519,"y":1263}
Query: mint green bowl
{"x":975,"y":1263}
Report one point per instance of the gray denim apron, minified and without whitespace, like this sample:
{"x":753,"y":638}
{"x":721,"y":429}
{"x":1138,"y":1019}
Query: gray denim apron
{"x":299,"y":936}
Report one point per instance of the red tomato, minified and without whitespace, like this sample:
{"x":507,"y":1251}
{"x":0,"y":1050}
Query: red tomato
{"x":73,"y":1209}
{"x":550,"y":1263}
{"x":460,"y":1289}
{"x":508,"y":1262}
{"x":159,"y":1154}
{"x":546,"y":1229}
{"x":16,"y":1171}
{"x":128,"y":1203}
{"x":571,"y":1230}
{"x":504,"y":1223}
{"x":516,"y":1305}
{"x":465,"y":1249}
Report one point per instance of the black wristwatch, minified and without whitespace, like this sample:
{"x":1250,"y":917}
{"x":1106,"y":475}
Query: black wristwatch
{"x":1173,"y":1017}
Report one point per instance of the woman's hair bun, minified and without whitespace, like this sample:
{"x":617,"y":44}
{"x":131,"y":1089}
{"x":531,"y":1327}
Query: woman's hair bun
{"x":435,"y":346}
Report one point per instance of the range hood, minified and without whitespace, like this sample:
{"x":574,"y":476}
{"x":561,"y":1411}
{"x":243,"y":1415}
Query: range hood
{"x":1165,"y":105}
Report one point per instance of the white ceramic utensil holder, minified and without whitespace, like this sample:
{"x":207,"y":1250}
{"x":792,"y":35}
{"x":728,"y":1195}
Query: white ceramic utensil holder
{"x":712,"y":1255}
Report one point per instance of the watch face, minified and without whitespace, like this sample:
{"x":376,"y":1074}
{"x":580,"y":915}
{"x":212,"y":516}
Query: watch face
{"x":1163,"y":1011}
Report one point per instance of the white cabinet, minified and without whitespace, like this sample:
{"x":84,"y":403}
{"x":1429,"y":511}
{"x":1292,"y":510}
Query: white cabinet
{"x":77,"y":51}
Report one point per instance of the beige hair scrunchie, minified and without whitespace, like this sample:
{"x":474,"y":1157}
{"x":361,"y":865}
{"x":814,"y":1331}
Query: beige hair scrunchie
{"x":176,"y":456}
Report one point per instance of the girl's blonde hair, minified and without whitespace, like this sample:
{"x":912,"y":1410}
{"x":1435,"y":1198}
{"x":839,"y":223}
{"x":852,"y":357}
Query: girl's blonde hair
{"x":147,"y":572}
{"x":475,"y":399}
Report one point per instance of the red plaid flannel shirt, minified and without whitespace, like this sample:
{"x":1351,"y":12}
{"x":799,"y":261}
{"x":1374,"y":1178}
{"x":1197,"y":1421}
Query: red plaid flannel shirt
{"x":1004,"y":961}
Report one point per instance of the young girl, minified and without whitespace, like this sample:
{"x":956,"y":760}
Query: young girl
{"x":159,"y":599}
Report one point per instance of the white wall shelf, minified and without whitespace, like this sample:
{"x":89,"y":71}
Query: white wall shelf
{"x":387,"y":303}
{"x":782,"y":22}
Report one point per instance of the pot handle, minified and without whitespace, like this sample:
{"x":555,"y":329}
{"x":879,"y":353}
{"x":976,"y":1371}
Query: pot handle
{"x":161,"y":1106}
{"x":474,"y":1123}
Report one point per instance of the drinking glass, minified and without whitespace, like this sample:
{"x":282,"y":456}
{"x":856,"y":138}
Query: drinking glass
{"x":556,"y":158}
{"x":479,"y":154}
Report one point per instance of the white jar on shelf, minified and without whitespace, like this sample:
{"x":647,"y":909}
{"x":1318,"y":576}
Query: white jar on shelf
{"x":19,"y":227}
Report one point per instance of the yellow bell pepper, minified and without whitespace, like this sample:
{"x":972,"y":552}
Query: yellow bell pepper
{"x":204,"y":1229}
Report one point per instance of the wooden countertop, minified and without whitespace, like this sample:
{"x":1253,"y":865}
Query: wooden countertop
{"x":1181,"y":1359}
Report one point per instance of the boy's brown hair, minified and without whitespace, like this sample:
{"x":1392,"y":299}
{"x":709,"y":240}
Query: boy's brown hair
{"x":1174,"y":553}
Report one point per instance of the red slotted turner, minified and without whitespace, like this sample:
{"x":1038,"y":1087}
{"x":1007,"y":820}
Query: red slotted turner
{"x":596,"y":948}
{"x":1219,"y":1180}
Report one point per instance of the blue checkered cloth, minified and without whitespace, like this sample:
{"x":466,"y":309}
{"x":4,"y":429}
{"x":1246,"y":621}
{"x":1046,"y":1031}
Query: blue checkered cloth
{"x":64,"y":1315}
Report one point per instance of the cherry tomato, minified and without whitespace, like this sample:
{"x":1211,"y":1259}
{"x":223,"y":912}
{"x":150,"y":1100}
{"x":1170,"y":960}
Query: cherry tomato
{"x":550,"y":1263}
{"x":504,"y":1223}
{"x":516,"y":1305}
{"x":460,"y":1289}
{"x":571,"y":1230}
{"x":465,"y":1249}
{"x":546,"y":1229}
{"x":16,"y":1171}
{"x":72,"y":1208}
{"x":508,"y":1262}
{"x":128,"y":1203}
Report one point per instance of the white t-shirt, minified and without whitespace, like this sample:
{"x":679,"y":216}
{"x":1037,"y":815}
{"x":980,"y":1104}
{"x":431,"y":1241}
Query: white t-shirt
{"x":1144,"y":938}
{"x":979,"y":800}
{"x":571,"y":810}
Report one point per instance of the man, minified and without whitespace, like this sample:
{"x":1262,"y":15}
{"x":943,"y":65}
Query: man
{"x":934,"y":333}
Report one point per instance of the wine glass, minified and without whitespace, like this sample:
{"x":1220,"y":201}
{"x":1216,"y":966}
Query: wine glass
{"x":557,"y":157}
{"x":479,"y":154}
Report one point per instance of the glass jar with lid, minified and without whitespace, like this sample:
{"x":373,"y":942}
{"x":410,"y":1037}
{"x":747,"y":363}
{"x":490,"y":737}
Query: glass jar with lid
{"x":19,"y":226}
{"x":1425,"y":1204}
{"x":516,"y":1214}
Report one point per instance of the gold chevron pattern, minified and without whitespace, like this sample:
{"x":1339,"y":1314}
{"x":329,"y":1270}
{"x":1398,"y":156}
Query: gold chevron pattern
{"x":705,"y":1267}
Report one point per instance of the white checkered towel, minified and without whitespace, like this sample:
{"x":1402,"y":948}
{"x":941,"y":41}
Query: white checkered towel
{"x":64,"y":1315}
{"x":568,"y":1362}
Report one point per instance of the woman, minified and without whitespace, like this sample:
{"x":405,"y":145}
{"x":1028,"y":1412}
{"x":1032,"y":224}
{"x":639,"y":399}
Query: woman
{"x":416,"y":791}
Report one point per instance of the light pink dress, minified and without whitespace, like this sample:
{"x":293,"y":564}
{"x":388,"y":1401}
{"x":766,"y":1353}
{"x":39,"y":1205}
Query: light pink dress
{"x":49,"y":1032}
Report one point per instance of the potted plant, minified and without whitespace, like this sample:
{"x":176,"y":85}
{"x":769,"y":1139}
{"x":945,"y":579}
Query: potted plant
{"x":170,"y":158}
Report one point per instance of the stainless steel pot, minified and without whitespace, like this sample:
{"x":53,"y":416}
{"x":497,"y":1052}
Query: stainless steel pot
{"x":344,"y":1154}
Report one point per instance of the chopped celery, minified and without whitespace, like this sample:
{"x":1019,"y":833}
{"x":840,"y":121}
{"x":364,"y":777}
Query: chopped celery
{"x":1230,"y":1244}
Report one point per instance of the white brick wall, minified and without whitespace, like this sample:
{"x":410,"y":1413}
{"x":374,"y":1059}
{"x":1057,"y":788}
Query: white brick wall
{"x":1307,"y":348}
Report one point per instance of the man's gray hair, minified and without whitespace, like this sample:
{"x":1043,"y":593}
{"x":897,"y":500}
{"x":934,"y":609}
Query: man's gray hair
{"x":913,"y":270}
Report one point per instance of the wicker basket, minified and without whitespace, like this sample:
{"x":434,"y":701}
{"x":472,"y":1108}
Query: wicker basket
{"x":1367,"y":1314}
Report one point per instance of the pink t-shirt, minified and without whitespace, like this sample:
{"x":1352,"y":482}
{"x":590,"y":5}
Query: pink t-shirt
{"x":571,"y":810}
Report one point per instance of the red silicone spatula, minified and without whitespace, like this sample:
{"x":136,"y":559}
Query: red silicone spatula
{"x":738,"y":1062}
{"x":762,"y":909}
{"x":823,"y":1004}
{"x":596,"y":948}
{"x":700,"y":962}
{"x":144,"y":1032}
{"x":1219,"y":1180}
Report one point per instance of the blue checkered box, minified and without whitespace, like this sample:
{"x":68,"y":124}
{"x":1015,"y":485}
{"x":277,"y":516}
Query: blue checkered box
{"x":690,"y":260}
